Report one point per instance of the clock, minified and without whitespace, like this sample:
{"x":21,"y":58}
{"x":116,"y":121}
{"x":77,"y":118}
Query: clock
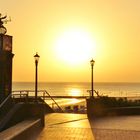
{"x":7,"y":43}
{"x":2,"y":30}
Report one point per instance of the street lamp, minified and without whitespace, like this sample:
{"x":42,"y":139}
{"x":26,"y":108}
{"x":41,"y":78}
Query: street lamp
{"x":36,"y":74}
{"x":92,"y":64}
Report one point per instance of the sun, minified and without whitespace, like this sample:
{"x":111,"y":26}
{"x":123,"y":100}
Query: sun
{"x":75,"y":47}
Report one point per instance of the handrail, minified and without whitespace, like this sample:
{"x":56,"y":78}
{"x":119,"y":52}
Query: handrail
{"x":7,"y":98}
{"x":6,"y":105}
{"x":27,"y":91}
{"x":25,"y":95}
{"x":44,"y":95}
{"x":54,"y":101}
{"x":44,"y":91}
{"x":53,"y":96}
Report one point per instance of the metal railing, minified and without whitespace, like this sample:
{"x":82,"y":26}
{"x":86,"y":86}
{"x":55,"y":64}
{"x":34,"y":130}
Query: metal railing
{"x":4,"y":102}
{"x":6,"y":105}
{"x":43,"y":94}
{"x":128,"y":95}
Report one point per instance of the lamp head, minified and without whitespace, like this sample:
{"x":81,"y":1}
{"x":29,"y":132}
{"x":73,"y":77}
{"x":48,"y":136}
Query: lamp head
{"x":36,"y":56}
{"x":92,"y":62}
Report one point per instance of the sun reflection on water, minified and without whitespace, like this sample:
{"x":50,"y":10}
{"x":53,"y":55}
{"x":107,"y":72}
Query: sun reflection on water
{"x":74,"y":92}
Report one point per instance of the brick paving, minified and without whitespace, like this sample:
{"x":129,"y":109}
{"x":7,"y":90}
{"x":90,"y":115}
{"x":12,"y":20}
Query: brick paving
{"x":63,"y":126}
{"x":66,"y":127}
{"x":109,"y":134}
{"x":53,"y":133}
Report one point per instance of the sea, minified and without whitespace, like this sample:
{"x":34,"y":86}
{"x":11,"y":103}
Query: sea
{"x":82,"y":89}
{"x":129,"y":90}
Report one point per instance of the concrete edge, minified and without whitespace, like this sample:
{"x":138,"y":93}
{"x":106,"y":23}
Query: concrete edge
{"x":20,"y":130}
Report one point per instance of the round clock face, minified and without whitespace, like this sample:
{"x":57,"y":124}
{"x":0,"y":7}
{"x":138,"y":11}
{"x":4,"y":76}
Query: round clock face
{"x":7,"y":43}
{"x":3,"y":30}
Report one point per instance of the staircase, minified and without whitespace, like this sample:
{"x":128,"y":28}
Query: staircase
{"x":21,"y":105}
{"x":43,"y":96}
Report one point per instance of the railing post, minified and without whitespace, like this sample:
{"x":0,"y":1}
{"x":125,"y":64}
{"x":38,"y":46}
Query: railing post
{"x":26,"y":97}
{"x":52,"y":105}
{"x":43,"y":95}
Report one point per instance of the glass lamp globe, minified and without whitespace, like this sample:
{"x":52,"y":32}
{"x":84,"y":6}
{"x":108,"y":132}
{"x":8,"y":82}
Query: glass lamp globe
{"x":36,"y":57}
{"x":92,"y":62}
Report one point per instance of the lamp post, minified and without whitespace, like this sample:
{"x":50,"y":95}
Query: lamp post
{"x":92,"y":89}
{"x":36,"y":74}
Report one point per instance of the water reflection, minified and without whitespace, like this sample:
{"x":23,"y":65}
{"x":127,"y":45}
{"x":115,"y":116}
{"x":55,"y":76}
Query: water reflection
{"x":75,"y":92}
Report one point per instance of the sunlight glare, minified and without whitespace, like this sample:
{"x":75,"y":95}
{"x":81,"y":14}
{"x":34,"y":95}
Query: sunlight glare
{"x":75,"y":46}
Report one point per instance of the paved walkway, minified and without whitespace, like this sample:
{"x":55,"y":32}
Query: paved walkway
{"x":66,"y":127}
{"x":117,"y":128}
{"x":77,"y":127}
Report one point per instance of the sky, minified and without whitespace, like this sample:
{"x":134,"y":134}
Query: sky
{"x":67,"y":34}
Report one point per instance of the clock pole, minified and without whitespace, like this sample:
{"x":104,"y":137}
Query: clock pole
{"x":6,"y":56}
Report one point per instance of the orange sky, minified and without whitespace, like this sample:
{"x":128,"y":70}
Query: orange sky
{"x":111,"y":27}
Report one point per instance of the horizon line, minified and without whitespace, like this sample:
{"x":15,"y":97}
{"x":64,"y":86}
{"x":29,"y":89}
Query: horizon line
{"x":69,"y":82}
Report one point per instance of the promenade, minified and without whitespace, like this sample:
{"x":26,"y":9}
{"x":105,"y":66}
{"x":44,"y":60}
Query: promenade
{"x":64,"y":126}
